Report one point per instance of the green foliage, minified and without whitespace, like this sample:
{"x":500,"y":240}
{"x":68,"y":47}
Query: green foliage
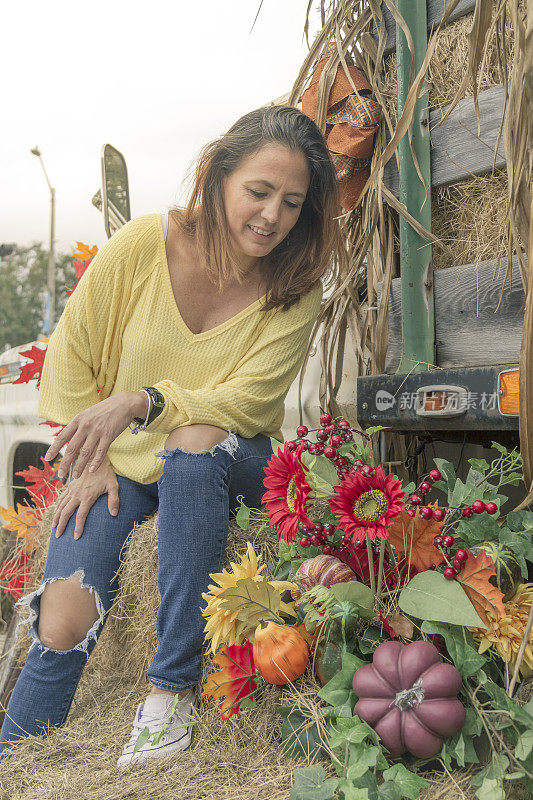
{"x":23,"y":278}
{"x":460,"y":646}
{"x":483,"y":481}
{"x":407,"y":782}
{"x":430,"y":596}
{"x":310,"y":783}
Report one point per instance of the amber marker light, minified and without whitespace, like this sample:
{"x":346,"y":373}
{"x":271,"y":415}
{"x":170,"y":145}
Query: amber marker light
{"x":508,"y":392}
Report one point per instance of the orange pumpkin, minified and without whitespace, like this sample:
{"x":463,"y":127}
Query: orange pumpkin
{"x":280,"y":653}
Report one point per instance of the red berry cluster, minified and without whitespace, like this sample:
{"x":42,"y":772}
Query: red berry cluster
{"x":478,"y":507}
{"x":318,"y":535}
{"x":330,"y":436}
{"x":426,"y":512}
{"x":443,"y":543}
{"x":438,"y":514}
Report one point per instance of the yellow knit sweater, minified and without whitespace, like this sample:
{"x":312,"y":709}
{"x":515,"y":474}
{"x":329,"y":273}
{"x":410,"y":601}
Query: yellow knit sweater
{"x":121,"y":329}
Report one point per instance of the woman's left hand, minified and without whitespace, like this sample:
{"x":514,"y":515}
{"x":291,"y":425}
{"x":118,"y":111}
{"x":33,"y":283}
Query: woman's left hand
{"x":91,"y":432}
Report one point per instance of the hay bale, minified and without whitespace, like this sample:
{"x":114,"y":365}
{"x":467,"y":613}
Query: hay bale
{"x":79,"y":759}
{"x":469,"y":216}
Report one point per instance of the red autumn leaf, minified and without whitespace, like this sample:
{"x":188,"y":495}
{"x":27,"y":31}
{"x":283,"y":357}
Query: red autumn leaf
{"x":53,"y":425}
{"x":235,"y":681}
{"x":14,"y":571}
{"x":46,"y":486}
{"x":30,"y":371}
{"x":84,"y":252}
{"x":474,"y":578}
{"x":386,"y":626}
{"x":412,"y":538}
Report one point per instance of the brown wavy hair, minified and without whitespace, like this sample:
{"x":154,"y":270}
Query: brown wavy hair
{"x":308,"y":253}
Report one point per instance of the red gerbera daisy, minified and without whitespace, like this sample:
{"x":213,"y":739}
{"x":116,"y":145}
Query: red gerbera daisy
{"x":366,"y":504}
{"x":287,"y":498}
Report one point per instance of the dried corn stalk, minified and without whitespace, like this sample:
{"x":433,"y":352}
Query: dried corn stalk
{"x":366,"y":255}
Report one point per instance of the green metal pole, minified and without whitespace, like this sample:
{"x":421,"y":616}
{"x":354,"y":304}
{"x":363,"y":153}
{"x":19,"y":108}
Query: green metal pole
{"x":418,"y":323}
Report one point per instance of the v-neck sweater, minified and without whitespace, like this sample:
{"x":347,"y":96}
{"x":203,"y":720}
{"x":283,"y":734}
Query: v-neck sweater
{"x":121,"y":329}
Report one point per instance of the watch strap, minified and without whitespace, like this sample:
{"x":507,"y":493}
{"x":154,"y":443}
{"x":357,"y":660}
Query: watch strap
{"x":156,"y":406}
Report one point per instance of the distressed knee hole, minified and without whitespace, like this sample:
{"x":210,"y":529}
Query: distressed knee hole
{"x":57,"y":632}
{"x":230,"y":444}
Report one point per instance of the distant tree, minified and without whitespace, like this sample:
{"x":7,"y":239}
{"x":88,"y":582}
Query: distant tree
{"x":23,"y":275}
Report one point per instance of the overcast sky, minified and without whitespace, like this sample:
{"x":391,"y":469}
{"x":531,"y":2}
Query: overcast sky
{"x":155,"y":79}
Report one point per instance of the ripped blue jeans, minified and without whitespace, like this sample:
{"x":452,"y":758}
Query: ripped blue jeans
{"x":195,"y":495}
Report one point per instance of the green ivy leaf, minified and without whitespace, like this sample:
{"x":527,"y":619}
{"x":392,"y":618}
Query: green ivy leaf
{"x":352,"y":730}
{"x":358,"y":594}
{"x":505,"y":703}
{"x":479,"y":464}
{"x":464,"y":656}
{"x":323,"y":475}
{"x":430,"y":596}
{"x":242,"y":517}
{"x":389,"y":791}
{"x":340,"y":685}
{"x":350,"y":791}
{"x":310,"y":783}
{"x":520,"y":521}
{"x":462,"y":749}
{"x":407,"y":782}
{"x":521,"y":544}
{"x":524,"y":745}
{"x":491,"y":789}
{"x":360,"y":758}
{"x":494,"y":771}
{"x":447,"y":471}
{"x":376,"y":429}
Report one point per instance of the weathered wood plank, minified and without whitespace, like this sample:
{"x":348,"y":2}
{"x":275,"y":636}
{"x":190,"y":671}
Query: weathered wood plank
{"x":435,"y":12}
{"x":457,"y":151}
{"x":469,"y":331}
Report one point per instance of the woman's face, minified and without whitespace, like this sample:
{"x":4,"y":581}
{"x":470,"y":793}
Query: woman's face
{"x":263,"y":198}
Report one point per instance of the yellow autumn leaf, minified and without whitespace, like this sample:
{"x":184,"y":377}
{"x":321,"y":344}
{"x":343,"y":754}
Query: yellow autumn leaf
{"x":84,"y":252}
{"x":24,"y":522}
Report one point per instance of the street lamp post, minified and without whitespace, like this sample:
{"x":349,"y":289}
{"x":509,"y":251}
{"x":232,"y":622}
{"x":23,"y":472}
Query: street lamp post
{"x":49,"y":319}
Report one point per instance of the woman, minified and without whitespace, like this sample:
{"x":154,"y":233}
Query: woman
{"x":190,"y":340}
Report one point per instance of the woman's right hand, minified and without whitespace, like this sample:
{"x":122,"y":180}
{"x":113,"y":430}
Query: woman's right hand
{"x":82,"y":492}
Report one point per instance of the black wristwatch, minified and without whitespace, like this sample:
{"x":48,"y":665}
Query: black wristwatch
{"x":156,"y":404}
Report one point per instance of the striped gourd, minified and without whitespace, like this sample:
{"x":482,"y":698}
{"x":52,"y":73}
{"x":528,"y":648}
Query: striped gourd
{"x":323,"y":570}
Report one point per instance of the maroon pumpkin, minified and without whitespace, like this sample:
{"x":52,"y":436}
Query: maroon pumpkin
{"x":409,"y":697}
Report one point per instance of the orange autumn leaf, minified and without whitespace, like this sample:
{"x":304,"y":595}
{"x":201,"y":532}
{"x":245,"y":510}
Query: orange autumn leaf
{"x":84,"y":252}
{"x":30,"y":371}
{"x":412,"y":538}
{"x":24,"y":522}
{"x":474,"y":578}
{"x":235,"y":681}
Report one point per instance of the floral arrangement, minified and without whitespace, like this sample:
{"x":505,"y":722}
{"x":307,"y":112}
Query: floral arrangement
{"x":374,"y":575}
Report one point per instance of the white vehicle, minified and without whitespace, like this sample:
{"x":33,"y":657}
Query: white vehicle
{"x":23,"y":439}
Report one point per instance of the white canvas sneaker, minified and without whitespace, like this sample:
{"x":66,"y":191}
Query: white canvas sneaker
{"x":154,"y":714}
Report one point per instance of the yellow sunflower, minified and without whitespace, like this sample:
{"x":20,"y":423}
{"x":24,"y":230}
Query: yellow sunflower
{"x":222,"y":625}
{"x":504,"y":635}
